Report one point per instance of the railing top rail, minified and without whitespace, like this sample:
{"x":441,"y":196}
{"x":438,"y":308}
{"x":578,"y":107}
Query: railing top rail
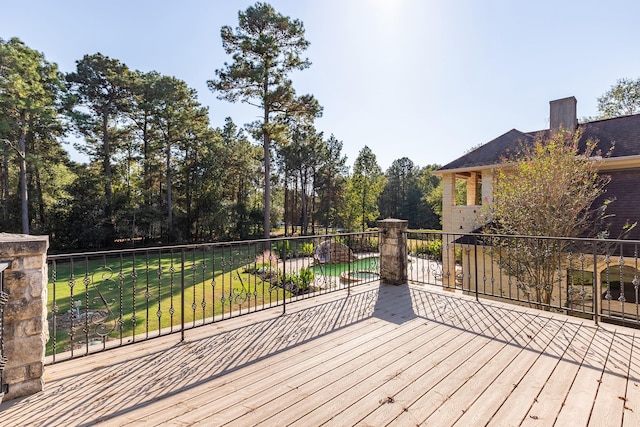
{"x":515,"y":236}
{"x":52,"y":257}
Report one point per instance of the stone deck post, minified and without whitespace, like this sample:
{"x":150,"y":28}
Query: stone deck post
{"x":25,"y":330}
{"x":393,"y":251}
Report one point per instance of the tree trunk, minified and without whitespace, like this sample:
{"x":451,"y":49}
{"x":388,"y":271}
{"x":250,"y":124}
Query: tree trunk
{"x":286,"y":200}
{"x":5,"y":186}
{"x":146,"y":168}
{"x":364,"y":198}
{"x":267,"y":174}
{"x":106,"y":147}
{"x":168,"y":184}
{"x":24,"y":195}
{"x":303,"y":185}
{"x":39,"y":197}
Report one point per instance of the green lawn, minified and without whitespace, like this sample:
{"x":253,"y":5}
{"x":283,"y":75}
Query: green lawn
{"x":133,"y":294}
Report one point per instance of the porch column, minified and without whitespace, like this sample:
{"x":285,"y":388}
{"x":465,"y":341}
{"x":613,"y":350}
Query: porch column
{"x":24,"y":326}
{"x":472,"y":189}
{"x":448,"y":201}
{"x":393,"y":251}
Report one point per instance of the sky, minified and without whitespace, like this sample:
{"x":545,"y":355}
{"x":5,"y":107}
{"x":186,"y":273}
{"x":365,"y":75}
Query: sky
{"x":423,"y":79}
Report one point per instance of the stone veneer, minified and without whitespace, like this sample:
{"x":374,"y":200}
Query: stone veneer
{"x":25,"y":326}
{"x":393,"y":251}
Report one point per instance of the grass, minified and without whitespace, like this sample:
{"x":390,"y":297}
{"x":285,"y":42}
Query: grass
{"x":137,"y":294}
{"x":117,"y":296}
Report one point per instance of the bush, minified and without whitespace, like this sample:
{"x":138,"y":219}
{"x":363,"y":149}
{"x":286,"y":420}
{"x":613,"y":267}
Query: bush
{"x":431,"y":249}
{"x":266,"y":266}
{"x":282,"y":249}
{"x":305,"y":277}
{"x":297,"y":284}
{"x":306,"y":249}
{"x":360,"y":243}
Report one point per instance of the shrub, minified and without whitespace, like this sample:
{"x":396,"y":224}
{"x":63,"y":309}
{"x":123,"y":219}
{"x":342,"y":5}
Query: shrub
{"x":431,"y":249}
{"x":297,"y":283}
{"x":305,"y":277}
{"x":306,"y":249}
{"x":282,"y":249}
{"x":265,"y":265}
{"x":363,"y":243}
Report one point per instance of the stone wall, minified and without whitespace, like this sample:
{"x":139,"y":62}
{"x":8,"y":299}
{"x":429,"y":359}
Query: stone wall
{"x":25,"y":330}
{"x":393,"y":251}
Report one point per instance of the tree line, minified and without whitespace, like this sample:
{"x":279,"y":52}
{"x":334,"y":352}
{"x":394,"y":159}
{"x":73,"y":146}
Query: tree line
{"x":158,"y":172}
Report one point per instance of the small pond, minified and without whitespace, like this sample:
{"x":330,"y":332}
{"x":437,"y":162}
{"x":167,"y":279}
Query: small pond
{"x":355,"y":271}
{"x":357,"y":276}
{"x":367,"y":264}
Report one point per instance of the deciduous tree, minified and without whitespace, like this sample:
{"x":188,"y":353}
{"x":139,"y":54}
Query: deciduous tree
{"x":621,"y":99}
{"x":365,"y":186}
{"x":549,"y":191}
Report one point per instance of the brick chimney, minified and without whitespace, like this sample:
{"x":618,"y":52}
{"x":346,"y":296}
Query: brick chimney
{"x":563,"y":114}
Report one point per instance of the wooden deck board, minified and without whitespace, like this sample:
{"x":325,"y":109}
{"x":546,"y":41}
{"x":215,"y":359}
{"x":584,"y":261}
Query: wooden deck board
{"x":253,"y":383}
{"x":428,"y":408}
{"x":631,"y":416}
{"x":365,"y":392}
{"x":610,"y":401}
{"x":485,"y":395}
{"x":384,"y":355}
{"x":578,"y":404}
{"x":550,"y":399}
{"x":423,"y":382}
{"x":506,"y":400}
{"x":269,"y":395}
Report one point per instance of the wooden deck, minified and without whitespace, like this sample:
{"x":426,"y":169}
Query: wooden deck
{"x":385,"y":355}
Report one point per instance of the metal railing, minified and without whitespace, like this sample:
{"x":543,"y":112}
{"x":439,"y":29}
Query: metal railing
{"x":590,"y":278}
{"x":102,"y":300}
{"x":4,"y":297}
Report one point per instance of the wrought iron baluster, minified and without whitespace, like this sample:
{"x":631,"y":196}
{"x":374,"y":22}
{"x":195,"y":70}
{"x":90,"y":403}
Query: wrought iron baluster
{"x":172,"y":272}
{"x":54,"y":309}
{"x":147,"y":293}
{"x":159,"y":311}
{"x":134,"y":278}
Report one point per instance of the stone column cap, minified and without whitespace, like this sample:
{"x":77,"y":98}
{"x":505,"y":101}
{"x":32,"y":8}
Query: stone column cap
{"x":392,"y":222}
{"x":22,"y":244}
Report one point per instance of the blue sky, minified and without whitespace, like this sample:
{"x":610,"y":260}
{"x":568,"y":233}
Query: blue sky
{"x":424,"y":79}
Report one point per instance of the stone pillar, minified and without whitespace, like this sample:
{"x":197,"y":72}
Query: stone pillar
{"x":472,"y":189}
{"x":448,"y":226}
{"x":448,"y":201}
{"x":25,"y":329}
{"x":393,"y":251}
{"x":487,"y":189}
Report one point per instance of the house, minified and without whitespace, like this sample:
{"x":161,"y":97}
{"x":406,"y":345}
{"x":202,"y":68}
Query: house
{"x":478,"y":166}
{"x":620,"y":136}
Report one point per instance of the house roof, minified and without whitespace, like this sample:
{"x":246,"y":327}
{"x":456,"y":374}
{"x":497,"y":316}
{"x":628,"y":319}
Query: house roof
{"x":621,"y":132}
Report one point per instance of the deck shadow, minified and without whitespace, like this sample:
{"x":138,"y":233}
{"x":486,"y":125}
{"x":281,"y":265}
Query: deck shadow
{"x":138,"y":380}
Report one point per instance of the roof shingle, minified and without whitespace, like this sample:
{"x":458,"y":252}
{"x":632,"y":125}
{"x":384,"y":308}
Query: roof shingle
{"x":621,"y":132}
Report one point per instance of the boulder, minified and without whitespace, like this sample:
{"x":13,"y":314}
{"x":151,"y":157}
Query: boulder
{"x":330,"y":252}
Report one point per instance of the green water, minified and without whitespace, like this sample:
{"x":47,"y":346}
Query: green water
{"x":364,"y":264}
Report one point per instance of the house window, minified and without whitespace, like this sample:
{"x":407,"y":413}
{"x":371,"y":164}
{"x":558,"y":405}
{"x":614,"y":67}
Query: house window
{"x":616,"y":278}
{"x":579,"y":290}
